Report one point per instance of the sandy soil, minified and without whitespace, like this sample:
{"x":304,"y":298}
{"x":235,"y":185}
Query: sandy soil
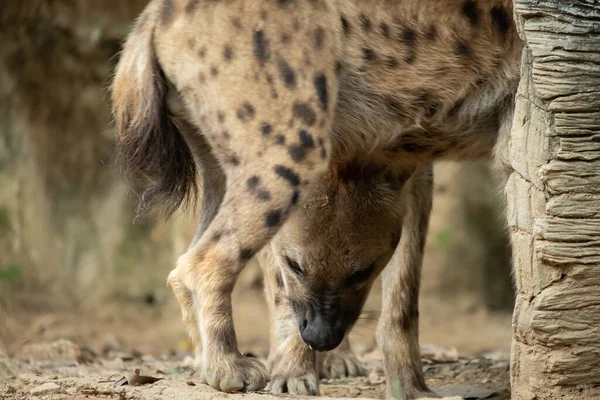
{"x":63,"y":370}
{"x":80,"y":354}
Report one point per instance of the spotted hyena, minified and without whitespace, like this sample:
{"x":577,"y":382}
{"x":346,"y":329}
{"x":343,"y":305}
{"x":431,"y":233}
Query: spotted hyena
{"x":313,"y":125}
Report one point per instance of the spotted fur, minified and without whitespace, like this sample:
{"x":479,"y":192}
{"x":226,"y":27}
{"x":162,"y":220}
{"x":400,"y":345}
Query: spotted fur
{"x":313,"y":126}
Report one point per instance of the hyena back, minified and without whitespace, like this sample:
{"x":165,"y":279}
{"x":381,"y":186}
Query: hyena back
{"x":339,"y":106}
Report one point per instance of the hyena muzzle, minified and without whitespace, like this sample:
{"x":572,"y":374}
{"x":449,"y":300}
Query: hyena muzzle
{"x":313,"y":125}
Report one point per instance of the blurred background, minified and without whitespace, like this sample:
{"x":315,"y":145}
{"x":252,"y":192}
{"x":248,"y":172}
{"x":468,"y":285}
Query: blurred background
{"x":75,"y":263}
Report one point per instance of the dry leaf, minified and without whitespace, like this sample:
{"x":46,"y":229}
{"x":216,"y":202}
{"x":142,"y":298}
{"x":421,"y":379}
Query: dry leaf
{"x":135,"y":379}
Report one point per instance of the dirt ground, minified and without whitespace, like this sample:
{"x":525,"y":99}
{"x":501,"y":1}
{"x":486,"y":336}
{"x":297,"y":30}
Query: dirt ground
{"x":82,"y":354}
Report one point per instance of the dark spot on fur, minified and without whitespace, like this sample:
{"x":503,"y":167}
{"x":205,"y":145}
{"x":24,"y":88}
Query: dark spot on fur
{"x":236,"y":23}
{"x":214,"y":71}
{"x":296,"y":152}
{"x":305,"y":112}
{"x":391,"y":62}
{"x":263,"y":195}
{"x":266,"y":128}
{"x":285,"y":38}
{"x":280,"y":139}
{"x":431,"y":33}
{"x":167,"y":11}
{"x":288,"y":174}
{"x":191,"y":6}
{"x":228,"y":53}
{"x":306,"y":139}
{"x":338,"y":67}
{"x":345,"y":25}
{"x":500,"y":19}
{"x":277,"y":300}
{"x":278,"y":280}
{"x":272,"y":218}
{"x":217,"y":236}
{"x":202,"y":52}
{"x":365,"y":22}
{"x":394,"y":106}
{"x":287,"y":74}
{"x":463,"y":49}
{"x":385,"y":30}
{"x":283,"y":3}
{"x":245,"y":112}
{"x":221,"y":116}
{"x":261,"y":47}
{"x":471,"y":12}
{"x":431,"y":109}
{"x":232,"y":159}
{"x":408,"y":36}
{"x":253,"y":182}
{"x":369,"y":54}
{"x":320,"y":83}
{"x":319,"y":37}
{"x":263,"y":15}
{"x":323,"y":152}
{"x":246,"y":254}
{"x":226,"y":135}
{"x":295,"y":197}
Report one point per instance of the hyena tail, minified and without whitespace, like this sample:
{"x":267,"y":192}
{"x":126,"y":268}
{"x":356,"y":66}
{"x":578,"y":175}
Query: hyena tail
{"x":152,"y":152}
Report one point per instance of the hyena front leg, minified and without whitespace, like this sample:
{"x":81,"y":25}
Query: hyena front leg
{"x":292,"y":364}
{"x":398,"y":327}
{"x":266,"y":113}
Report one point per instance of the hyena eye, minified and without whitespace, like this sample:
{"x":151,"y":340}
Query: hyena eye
{"x":360,"y":276}
{"x":294,"y":266}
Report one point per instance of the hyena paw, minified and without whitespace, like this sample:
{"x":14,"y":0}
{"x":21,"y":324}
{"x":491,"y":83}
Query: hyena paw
{"x":410,"y":394}
{"x":233,"y":374}
{"x":300,"y":385}
{"x":341,"y":364}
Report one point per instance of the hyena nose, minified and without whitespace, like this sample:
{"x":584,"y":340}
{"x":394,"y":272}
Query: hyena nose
{"x":321,"y":334}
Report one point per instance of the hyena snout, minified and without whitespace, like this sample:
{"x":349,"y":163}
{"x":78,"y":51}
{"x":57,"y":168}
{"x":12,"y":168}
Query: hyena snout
{"x":322,"y":330}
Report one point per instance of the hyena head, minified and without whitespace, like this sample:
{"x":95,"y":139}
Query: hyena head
{"x":331,"y":250}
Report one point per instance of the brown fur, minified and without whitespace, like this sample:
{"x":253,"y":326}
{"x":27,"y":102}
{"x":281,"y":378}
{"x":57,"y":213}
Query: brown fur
{"x":313,"y":125}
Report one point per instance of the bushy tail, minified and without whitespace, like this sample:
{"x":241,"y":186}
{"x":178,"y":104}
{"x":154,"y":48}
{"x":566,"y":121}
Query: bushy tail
{"x":151,"y":151}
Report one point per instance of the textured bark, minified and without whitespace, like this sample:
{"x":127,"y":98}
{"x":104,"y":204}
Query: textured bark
{"x":554,"y":202}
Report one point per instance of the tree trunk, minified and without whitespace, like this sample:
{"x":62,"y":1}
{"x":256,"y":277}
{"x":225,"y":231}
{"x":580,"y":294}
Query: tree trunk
{"x":553,"y":197}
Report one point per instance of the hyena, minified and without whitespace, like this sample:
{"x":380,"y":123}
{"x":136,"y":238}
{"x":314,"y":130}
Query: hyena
{"x":313,"y":125}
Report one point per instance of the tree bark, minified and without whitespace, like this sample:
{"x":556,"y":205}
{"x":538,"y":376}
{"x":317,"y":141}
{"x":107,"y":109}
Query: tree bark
{"x":553,"y":197}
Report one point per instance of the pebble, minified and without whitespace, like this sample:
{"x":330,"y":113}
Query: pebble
{"x":375,"y":379}
{"x":46,"y":388}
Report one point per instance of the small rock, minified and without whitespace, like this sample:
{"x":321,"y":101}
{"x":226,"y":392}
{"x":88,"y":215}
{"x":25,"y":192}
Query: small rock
{"x":71,"y":391}
{"x":188,"y":361}
{"x":498,"y":355}
{"x":353,"y":392}
{"x":439,"y":353}
{"x":503,"y":365}
{"x":375,"y":379}
{"x":46,"y":388}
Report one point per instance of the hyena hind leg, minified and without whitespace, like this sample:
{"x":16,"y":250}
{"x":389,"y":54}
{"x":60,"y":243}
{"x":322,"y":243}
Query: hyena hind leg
{"x":398,"y":327}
